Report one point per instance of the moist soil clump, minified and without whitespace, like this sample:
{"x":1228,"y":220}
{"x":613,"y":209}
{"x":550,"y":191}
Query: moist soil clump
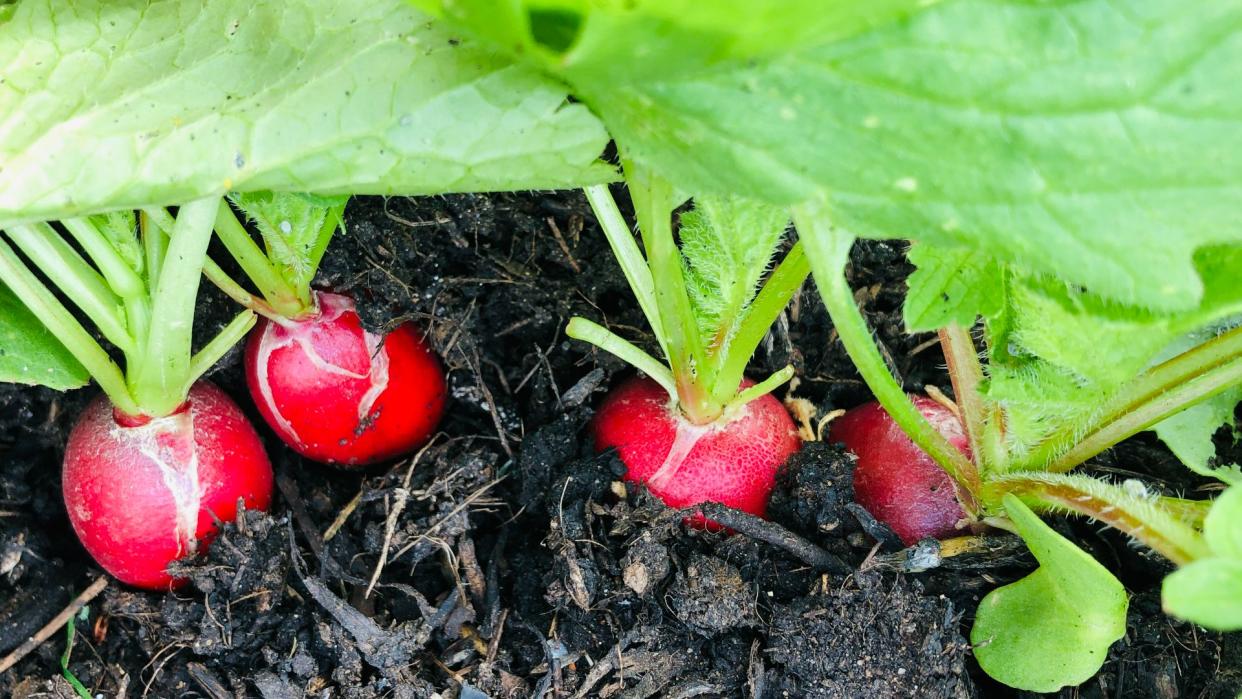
{"x":507,"y":559}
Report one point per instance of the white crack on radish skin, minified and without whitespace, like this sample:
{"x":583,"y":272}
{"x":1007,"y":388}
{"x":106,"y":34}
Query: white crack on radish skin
{"x":685,"y":439}
{"x":168,"y":442}
{"x":332,"y":307}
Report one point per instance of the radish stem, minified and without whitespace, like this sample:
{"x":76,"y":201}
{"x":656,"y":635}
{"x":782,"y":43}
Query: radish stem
{"x":61,"y":323}
{"x":982,"y":421}
{"x":771,"y":301}
{"x":1165,"y":384}
{"x":603,"y":338}
{"x":1135,"y":514}
{"x":762,"y":388}
{"x":1147,"y":414}
{"x":628,"y":254}
{"x":159,"y":380}
{"x":80,"y":282}
{"x":828,"y":248}
{"x":654,"y":202}
{"x":219,"y":345}
{"x":279,"y":293}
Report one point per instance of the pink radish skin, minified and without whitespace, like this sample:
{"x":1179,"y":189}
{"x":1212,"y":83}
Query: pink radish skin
{"x":340,"y":395}
{"x":142,"y":493}
{"x":732,"y":461}
{"x":897,"y":482}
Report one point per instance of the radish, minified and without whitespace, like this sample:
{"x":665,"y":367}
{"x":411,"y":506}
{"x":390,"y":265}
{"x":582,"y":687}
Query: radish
{"x":338,"y":394}
{"x":142,"y":492}
{"x":895,"y":480}
{"x":732,"y":461}
{"x":152,"y":466}
{"x":331,"y":390}
{"x":695,"y":430}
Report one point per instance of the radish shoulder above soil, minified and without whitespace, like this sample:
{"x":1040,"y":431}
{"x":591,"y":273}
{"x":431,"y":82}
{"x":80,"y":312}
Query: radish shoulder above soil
{"x":142,"y":493}
{"x":339,"y":394}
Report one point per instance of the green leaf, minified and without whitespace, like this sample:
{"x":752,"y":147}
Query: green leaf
{"x":1096,"y":141}
{"x":1062,"y":350}
{"x":952,"y":285}
{"x":1207,"y":592}
{"x":112,"y":104}
{"x":1189,"y":434}
{"x":29,"y":354}
{"x":1223,"y":526}
{"x":295,"y":229}
{"x":1052,"y":628}
{"x":727,"y":243}
{"x":614,"y":42}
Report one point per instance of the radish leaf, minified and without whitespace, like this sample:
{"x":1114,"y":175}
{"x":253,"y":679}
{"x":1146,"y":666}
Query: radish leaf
{"x":613,"y":43}
{"x":112,"y":104}
{"x":727,"y":243}
{"x":1052,"y":628}
{"x":1209,"y":591}
{"x":1096,"y":142}
{"x":295,"y":229}
{"x":29,"y":354}
{"x":1189,"y":434}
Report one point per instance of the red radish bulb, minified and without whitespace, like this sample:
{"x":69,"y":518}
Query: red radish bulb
{"x":732,"y":461}
{"x":338,"y":394}
{"x":144,"y":492}
{"x":896,"y":481}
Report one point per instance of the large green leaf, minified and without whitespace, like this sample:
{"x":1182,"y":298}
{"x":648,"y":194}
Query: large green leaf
{"x":111,"y":104}
{"x":29,"y":354}
{"x":1052,"y":628}
{"x":1097,"y":141}
{"x":611,"y":42}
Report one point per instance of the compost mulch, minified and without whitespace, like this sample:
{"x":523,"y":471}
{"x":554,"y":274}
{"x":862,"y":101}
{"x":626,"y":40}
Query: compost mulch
{"x":507,"y":559}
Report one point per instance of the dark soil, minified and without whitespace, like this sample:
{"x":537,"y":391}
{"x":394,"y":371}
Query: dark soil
{"x":507,"y":559}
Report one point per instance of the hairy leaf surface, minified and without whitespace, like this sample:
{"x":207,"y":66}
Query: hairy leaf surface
{"x":727,"y":242}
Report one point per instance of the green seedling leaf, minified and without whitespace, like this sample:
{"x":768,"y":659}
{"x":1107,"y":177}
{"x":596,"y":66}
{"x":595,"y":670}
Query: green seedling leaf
{"x":29,"y":354}
{"x":1052,"y":628}
{"x":727,"y":243}
{"x":113,"y":104}
{"x":1098,"y":142}
{"x":1209,"y":591}
{"x":1223,"y":527}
